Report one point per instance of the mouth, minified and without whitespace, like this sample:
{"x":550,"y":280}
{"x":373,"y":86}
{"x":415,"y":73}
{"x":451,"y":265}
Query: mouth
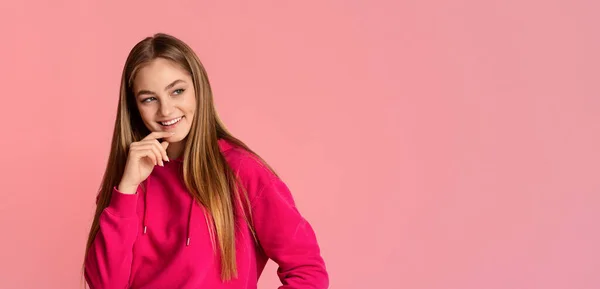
{"x":170,"y":123}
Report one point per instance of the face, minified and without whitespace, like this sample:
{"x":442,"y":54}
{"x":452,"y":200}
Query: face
{"x":165,"y":97}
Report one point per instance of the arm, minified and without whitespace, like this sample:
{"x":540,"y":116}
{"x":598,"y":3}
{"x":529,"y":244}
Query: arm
{"x":109,"y":259}
{"x":287,"y":238}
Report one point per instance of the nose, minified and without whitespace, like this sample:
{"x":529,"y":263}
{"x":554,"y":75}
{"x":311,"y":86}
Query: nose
{"x":166,"y":106}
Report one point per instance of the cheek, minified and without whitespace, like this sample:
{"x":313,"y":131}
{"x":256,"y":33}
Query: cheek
{"x":190,"y":104}
{"x":146,"y":114}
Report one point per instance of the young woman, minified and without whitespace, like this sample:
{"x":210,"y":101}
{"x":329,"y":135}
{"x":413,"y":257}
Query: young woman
{"x":183,"y":203}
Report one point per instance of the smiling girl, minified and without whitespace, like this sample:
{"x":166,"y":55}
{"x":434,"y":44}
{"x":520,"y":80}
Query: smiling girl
{"x":183,"y":203}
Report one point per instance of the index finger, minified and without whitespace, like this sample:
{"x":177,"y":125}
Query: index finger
{"x":158,"y":134}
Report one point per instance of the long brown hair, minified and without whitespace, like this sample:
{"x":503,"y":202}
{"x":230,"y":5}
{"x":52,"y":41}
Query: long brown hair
{"x":206,"y":174}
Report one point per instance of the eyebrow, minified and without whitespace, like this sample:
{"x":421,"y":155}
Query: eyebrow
{"x":166,"y":88}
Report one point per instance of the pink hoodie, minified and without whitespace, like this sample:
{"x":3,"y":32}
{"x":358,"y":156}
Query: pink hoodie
{"x":161,"y":239}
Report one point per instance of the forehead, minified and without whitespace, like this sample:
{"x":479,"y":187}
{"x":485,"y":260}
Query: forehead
{"x":158,"y":73}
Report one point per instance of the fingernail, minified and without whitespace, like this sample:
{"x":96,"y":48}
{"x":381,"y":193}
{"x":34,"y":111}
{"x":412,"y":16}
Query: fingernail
{"x":172,"y":133}
{"x":168,"y":159}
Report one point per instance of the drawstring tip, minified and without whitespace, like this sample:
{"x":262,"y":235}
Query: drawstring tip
{"x":188,"y":242}
{"x":145,"y":229}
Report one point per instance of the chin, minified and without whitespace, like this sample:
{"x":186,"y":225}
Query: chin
{"x":177,"y":137}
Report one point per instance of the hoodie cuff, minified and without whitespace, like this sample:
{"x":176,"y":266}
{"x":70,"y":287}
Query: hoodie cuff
{"x":123,"y":205}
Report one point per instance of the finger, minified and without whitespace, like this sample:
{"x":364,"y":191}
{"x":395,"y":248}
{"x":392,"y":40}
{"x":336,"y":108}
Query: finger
{"x":164,"y":145}
{"x":160,"y":148}
{"x":163,"y":149}
{"x":156,"y":150}
{"x":140,"y":153}
{"x":159,"y":153}
{"x":158,"y":134}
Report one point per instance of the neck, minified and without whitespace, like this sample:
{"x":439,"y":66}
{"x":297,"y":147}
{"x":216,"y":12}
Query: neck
{"x":174,"y":150}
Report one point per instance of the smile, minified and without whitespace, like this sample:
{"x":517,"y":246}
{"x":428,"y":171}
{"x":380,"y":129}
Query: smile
{"x":170,"y":122}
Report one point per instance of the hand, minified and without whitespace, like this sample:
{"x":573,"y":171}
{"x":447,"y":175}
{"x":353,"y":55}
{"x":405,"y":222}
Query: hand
{"x":142,"y":158}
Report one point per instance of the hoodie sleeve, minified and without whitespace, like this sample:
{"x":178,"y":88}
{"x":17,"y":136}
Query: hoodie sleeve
{"x":286,"y":236}
{"x":109,"y":259}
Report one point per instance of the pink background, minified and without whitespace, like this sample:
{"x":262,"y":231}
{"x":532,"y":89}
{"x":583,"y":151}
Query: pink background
{"x":432,"y":144}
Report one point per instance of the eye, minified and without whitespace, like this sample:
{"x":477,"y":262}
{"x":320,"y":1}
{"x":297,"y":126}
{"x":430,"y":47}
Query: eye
{"x":178,"y":91}
{"x":148,"y":99}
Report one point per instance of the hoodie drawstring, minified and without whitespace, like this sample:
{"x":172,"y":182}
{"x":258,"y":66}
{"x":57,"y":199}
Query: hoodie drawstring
{"x":146,"y":203}
{"x":190,"y":213}
{"x":189,"y":231}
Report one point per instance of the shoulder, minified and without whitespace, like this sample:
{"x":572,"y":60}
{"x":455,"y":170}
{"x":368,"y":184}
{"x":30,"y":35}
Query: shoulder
{"x":251,"y":172}
{"x":248,"y":166}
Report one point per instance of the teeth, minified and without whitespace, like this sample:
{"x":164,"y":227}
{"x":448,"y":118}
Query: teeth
{"x":171,"y":122}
